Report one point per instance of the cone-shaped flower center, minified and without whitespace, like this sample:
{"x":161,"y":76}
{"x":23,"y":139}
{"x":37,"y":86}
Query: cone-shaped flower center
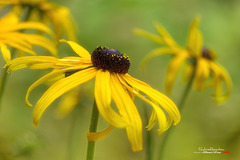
{"x":206,"y":53}
{"x":110,"y":59}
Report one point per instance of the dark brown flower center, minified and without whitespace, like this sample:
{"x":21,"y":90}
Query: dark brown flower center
{"x":206,"y":53}
{"x":110,"y":59}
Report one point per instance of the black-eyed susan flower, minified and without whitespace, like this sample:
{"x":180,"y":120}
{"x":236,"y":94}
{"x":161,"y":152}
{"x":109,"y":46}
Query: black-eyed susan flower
{"x":48,"y":13}
{"x":11,"y":36}
{"x":199,"y":61}
{"x":109,"y":67}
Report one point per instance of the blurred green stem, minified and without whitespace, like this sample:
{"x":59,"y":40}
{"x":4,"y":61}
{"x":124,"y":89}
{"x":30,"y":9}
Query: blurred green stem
{"x":3,"y":84}
{"x":149,"y":138}
{"x":180,"y":107}
{"x":92,"y":128}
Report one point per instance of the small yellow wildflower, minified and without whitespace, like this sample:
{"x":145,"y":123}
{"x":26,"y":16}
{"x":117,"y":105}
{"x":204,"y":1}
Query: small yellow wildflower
{"x":46,"y":12}
{"x":198,"y":60}
{"x":109,"y":67}
{"x":23,"y":42}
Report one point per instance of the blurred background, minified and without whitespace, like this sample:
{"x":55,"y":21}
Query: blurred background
{"x":110,"y":23}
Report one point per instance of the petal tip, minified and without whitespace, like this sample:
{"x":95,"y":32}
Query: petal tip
{"x":35,"y":124}
{"x":62,"y":40}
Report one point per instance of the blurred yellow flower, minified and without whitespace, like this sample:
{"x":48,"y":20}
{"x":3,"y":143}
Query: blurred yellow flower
{"x":46,"y":12}
{"x":109,"y":67}
{"x":199,"y":61}
{"x":23,"y":42}
{"x":68,"y":103}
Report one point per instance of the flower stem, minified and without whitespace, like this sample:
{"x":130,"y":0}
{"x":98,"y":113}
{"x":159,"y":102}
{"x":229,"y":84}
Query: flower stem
{"x":92,"y":128}
{"x":149,"y":138}
{"x":180,"y":107}
{"x":3,"y":84}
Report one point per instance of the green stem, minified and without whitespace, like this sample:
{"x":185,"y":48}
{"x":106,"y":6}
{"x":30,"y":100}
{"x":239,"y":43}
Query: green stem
{"x":3,"y":84}
{"x":149,"y":138}
{"x":92,"y":128}
{"x":180,"y":107}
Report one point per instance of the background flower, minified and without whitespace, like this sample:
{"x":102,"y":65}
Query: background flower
{"x":10,"y":36}
{"x":199,"y":61}
{"x":46,"y":12}
{"x":111,"y":23}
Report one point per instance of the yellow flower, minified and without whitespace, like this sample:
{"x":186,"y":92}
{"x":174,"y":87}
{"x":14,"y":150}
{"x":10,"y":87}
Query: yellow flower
{"x":68,"y":103}
{"x":23,"y":42}
{"x":198,"y":59}
{"x":46,"y":12}
{"x":109,"y":67}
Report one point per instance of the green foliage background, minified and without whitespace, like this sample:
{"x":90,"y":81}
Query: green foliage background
{"x":110,"y":23}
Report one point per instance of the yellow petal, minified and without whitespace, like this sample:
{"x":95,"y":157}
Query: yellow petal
{"x":220,"y":74}
{"x":41,"y":81}
{"x":9,"y":1}
{"x":96,"y":136}
{"x":82,"y":52}
{"x":9,"y":20}
{"x":41,"y":66}
{"x":157,"y":112}
{"x":228,"y":82}
{"x":194,"y":43}
{"x":28,"y":40}
{"x":23,"y":62}
{"x":128,"y":111}
{"x":67,"y":23}
{"x":149,"y":36}
{"x":28,"y":25}
{"x":73,"y":61}
{"x":173,"y":69}
{"x":43,"y":42}
{"x":103,"y":100}
{"x":201,"y":74}
{"x":59,"y":88}
{"x":161,"y":99}
{"x":153,"y":119}
{"x":5,"y":52}
{"x":154,"y":53}
{"x":48,"y":77}
{"x":19,"y":43}
{"x":212,"y":53}
{"x":188,"y":70}
{"x":165,"y":35}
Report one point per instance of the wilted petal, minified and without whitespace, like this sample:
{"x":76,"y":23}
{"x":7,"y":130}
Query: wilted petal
{"x":220,"y":75}
{"x":96,"y":136}
{"x":23,"y":62}
{"x":128,"y":111}
{"x":155,"y":98}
